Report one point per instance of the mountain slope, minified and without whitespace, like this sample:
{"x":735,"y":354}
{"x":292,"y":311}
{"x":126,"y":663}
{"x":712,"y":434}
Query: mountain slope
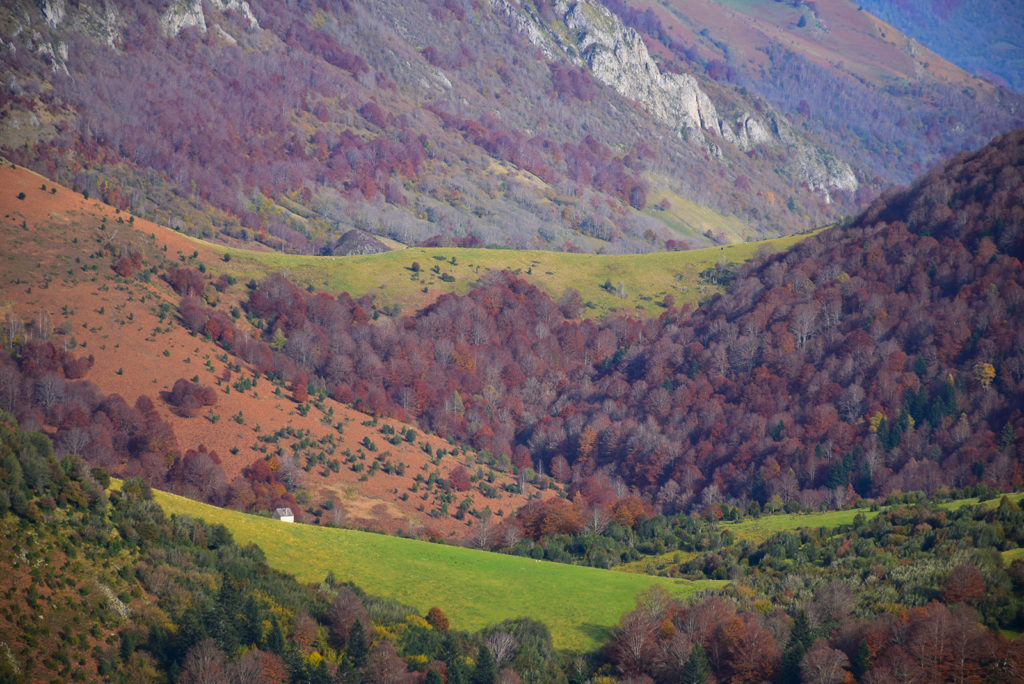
{"x":886,"y":355}
{"x":879,"y":356}
{"x":872,"y":96}
{"x":103,"y":586}
{"x":525,"y":125}
{"x":184,"y":113}
{"x":101,"y":583}
{"x":982,"y":37}
{"x":82,"y":285}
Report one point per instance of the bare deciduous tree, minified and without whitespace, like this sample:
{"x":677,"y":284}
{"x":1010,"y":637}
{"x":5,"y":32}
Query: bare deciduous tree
{"x":596,"y":520}
{"x":824,"y":665}
{"x":512,"y":533}
{"x":502,"y":646}
{"x":204,"y":663}
{"x":483,"y":533}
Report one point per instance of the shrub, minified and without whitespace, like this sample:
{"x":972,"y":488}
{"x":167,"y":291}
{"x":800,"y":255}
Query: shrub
{"x":189,"y":397}
{"x":437,"y":619}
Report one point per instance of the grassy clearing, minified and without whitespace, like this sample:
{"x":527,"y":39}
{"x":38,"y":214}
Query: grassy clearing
{"x":757,"y":530}
{"x":959,"y":503}
{"x":634,"y":283}
{"x":474,"y":588}
{"x":691,"y":220}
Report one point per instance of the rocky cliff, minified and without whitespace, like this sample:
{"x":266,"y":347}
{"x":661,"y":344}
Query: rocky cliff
{"x":588,"y":34}
{"x":188,"y":13}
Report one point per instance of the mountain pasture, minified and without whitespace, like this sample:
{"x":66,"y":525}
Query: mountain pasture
{"x":633,"y":283}
{"x":579,"y":605}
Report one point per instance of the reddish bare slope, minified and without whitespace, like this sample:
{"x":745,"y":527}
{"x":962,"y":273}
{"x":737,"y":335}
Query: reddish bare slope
{"x":57,"y":259}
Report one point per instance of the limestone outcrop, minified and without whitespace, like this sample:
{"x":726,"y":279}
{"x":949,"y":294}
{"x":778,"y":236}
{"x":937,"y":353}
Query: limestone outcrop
{"x":588,"y":34}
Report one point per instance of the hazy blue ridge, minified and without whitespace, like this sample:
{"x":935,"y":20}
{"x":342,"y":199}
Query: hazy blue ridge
{"x":984,"y":37}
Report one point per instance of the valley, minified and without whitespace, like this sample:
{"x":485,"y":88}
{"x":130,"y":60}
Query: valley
{"x":585,"y":342}
{"x":336,"y":465}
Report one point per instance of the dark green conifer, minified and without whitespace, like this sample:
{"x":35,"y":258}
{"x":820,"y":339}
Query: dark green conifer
{"x":486,"y":670}
{"x":275,"y":639}
{"x":357,"y":646}
{"x":451,"y":654}
{"x":697,"y":670}
{"x":862,"y":661}
{"x":800,"y":639}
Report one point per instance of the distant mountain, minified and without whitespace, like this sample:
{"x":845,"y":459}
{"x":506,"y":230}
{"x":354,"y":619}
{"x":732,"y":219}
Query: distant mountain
{"x":873,"y":97}
{"x":575,"y":126}
{"x":982,"y":37}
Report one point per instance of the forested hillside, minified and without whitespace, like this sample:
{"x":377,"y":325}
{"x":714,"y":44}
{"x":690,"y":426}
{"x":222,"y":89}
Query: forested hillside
{"x":881,"y":356}
{"x":100,"y":584}
{"x":876,"y":363}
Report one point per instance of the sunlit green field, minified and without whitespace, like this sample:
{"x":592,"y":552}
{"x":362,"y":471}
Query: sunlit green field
{"x":757,"y":530}
{"x":474,"y":588}
{"x":635,"y":283}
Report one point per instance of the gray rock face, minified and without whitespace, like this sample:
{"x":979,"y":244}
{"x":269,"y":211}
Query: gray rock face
{"x":590,"y":35}
{"x":99,"y":19}
{"x":53,"y":10}
{"x":183,"y":15}
{"x":356,"y":243}
{"x":188,"y":13}
{"x":618,"y":57}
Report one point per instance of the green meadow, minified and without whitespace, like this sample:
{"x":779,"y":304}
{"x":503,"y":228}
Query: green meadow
{"x":757,"y":530}
{"x":632,"y":283}
{"x":474,"y":588}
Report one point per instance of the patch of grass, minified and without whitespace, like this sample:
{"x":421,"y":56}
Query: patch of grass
{"x":757,"y":530}
{"x":474,"y":588}
{"x":691,"y":220}
{"x":651,"y":565}
{"x":1011,"y":555}
{"x":646,"y":278}
{"x":959,"y":503}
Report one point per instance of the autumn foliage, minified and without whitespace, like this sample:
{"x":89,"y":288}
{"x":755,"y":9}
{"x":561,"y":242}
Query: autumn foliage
{"x":437,"y":619}
{"x":934,"y":642}
{"x":190,"y":397}
{"x":844,"y":368}
{"x":45,"y":389}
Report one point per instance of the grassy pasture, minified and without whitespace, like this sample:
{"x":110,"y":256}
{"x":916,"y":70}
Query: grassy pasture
{"x":474,"y":588}
{"x":959,"y":503}
{"x":645,"y":279}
